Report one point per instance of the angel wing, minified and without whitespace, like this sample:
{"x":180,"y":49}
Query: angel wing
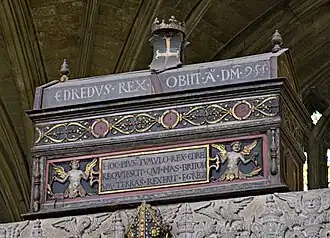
{"x":19,"y":228}
{"x":234,"y":206}
{"x":293,"y":200}
{"x":69,"y":225}
{"x":59,"y":170}
{"x":229,"y":210}
{"x":127,"y":217}
{"x":170,"y":213}
{"x":97,"y":222}
{"x":247,"y":149}
{"x":324,"y":198}
{"x":90,"y":166}
{"x":208,"y":210}
{"x":221,"y":148}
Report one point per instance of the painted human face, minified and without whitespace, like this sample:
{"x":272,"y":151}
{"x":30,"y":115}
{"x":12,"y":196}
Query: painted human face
{"x":236,"y":147}
{"x":75,"y":165}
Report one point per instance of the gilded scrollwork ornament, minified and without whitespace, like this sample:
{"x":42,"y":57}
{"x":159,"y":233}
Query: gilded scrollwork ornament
{"x":157,"y":120}
{"x":62,"y":132}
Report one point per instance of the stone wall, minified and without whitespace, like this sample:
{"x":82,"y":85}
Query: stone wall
{"x":295,"y":214}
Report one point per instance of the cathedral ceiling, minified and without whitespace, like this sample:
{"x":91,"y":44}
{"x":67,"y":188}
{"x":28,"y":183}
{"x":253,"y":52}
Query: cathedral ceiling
{"x":100,"y":37}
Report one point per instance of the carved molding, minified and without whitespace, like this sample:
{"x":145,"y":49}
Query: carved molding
{"x":293,"y":125}
{"x":158,"y":120}
{"x":274,"y":151}
{"x":36,"y":184}
{"x":284,"y":215}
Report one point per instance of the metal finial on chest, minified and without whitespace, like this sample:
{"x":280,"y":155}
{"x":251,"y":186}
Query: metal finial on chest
{"x":277,"y":41}
{"x":65,"y":71}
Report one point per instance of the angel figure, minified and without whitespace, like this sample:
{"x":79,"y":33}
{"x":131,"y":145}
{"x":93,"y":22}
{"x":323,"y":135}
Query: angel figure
{"x":74,"y":176}
{"x":225,"y":218}
{"x":234,"y":158}
{"x":310,"y":209}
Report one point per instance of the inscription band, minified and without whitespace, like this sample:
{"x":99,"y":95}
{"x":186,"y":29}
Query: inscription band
{"x":156,"y":169}
{"x":140,"y":84}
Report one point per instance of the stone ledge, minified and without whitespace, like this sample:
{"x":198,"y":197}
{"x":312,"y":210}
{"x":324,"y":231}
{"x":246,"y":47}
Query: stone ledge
{"x":295,"y":214}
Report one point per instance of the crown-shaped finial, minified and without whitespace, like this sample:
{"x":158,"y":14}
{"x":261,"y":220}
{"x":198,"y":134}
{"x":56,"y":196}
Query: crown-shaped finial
{"x":277,"y":41}
{"x":65,"y":71}
{"x":172,"y":25}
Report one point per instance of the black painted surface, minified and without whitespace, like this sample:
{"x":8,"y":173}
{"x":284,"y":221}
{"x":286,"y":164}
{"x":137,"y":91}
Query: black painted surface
{"x":142,"y":83}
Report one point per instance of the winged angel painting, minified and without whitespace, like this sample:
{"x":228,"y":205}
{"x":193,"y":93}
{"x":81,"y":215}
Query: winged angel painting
{"x":233,"y":159}
{"x":74,"y":176}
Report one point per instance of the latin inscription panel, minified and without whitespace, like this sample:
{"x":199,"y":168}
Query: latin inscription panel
{"x":154,"y":170}
{"x":213,"y":163}
{"x":142,"y":83}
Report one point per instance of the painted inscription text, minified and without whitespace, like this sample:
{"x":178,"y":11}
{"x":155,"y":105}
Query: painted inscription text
{"x":169,"y":81}
{"x":161,"y":169}
{"x":102,"y":90}
{"x":216,"y":76}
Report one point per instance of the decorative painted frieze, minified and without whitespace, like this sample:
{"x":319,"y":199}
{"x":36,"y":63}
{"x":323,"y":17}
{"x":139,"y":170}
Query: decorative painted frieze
{"x":158,"y":120}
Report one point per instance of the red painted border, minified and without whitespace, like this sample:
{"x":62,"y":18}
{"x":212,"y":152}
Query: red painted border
{"x":264,"y":158}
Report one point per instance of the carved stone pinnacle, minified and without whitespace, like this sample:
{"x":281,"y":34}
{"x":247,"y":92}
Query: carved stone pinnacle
{"x":65,"y":71}
{"x":277,"y":41}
